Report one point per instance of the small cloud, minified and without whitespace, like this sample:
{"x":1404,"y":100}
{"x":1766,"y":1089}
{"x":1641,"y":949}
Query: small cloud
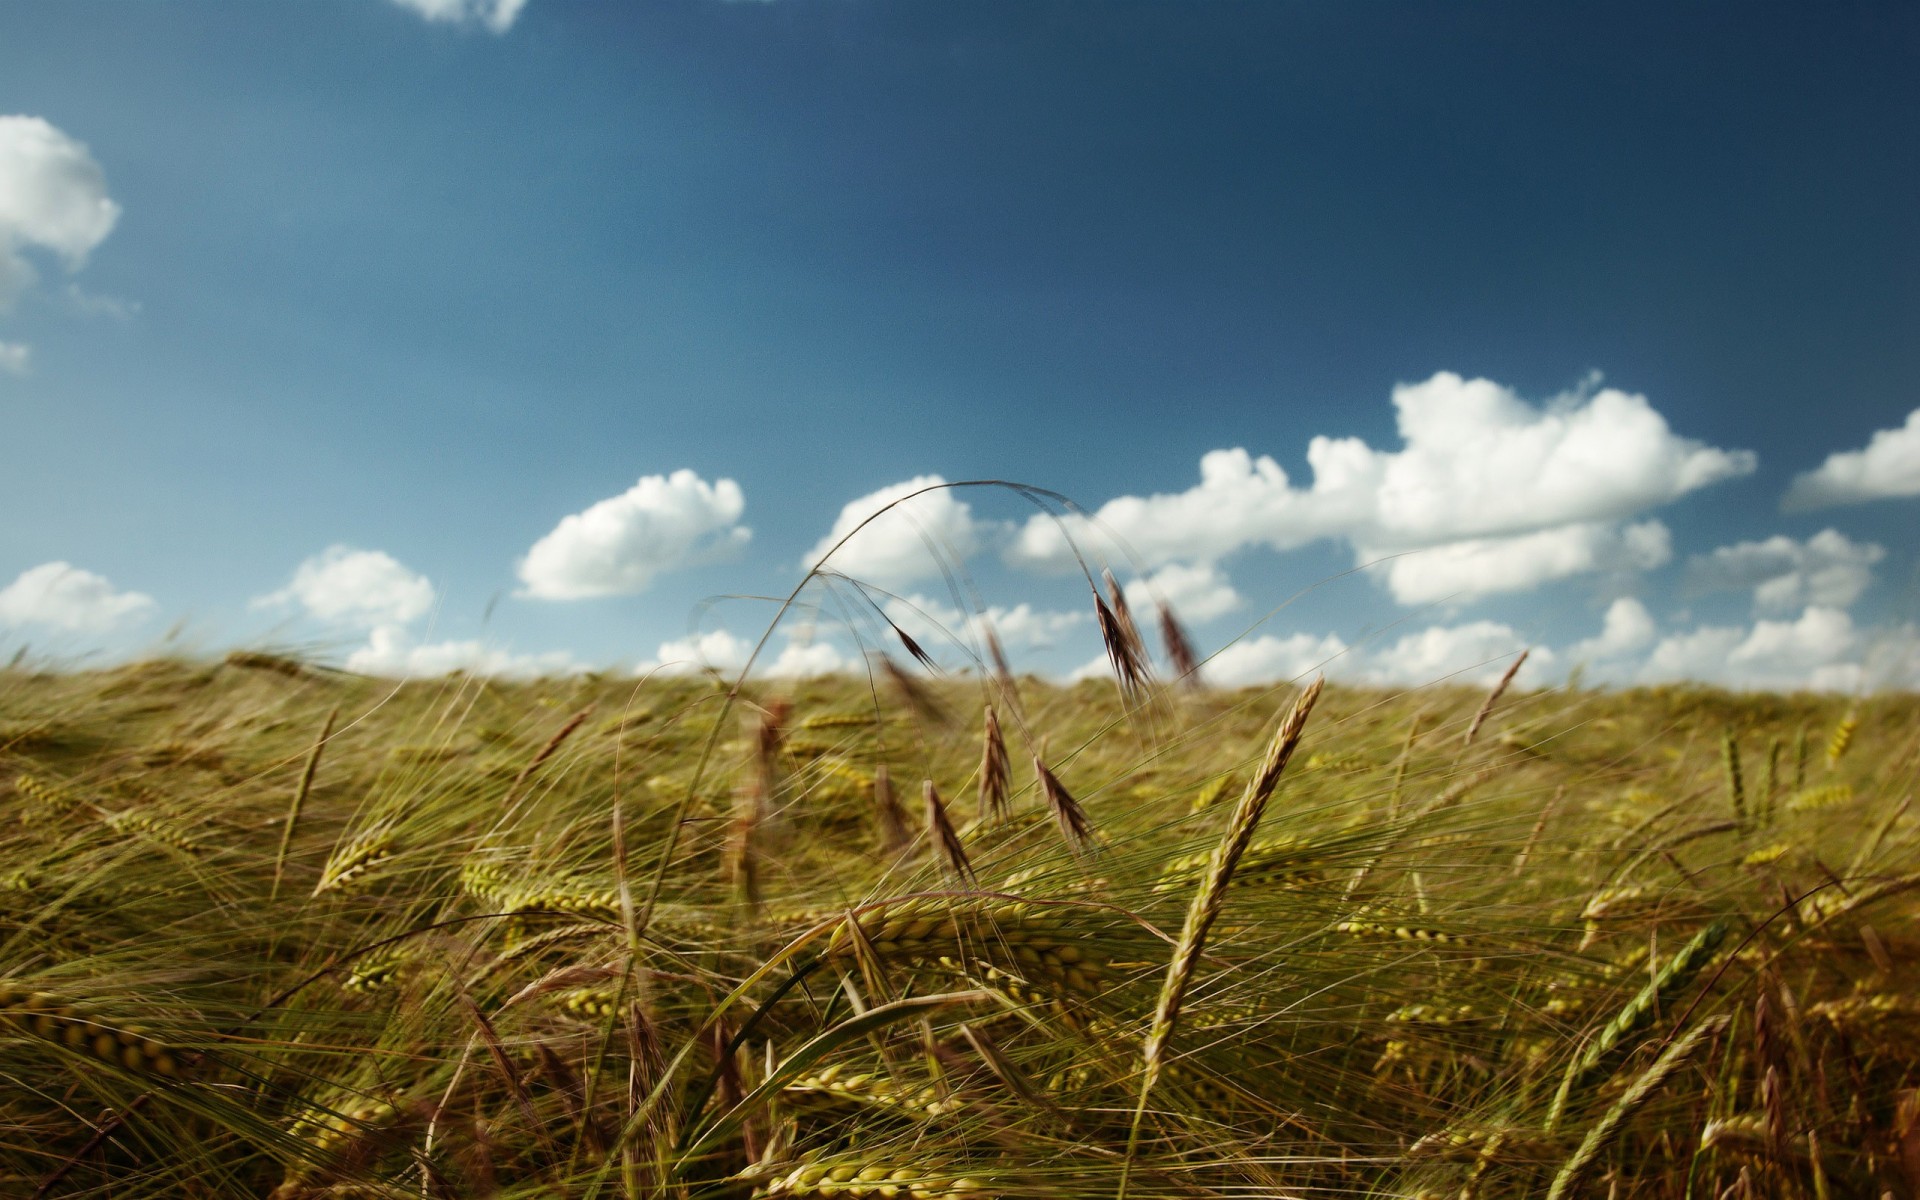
{"x":1889,"y":467}
{"x":61,"y":596}
{"x":366,"y":588}
{"x":497,"y":16}
{"x":1270,"y":659}
{"x":1827,"y":570}
{"x":718,"y":650}
{"x":617,"y":547}
{"x":54,"y":199}
{"x":906,"y":541}
{"x":1628,"y":628}
{"x":391,"y":651}
{"x":1195,"y":591}
{"x":15,"y":357}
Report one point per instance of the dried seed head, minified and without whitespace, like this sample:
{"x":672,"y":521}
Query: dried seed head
{"x":887,"y":813}
{"x":1180,"y":652}
{"x":945,"y":839}
{"x":996,"y":773}
{"x":1067,"y":812}
{"x":1122,"y":641}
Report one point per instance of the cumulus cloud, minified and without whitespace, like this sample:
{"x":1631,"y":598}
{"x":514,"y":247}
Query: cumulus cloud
{"x":1476,"y":567}
{"x":391,"y":651}
{"x":366,"y":588}
{"x":497,"y":16}
{"x":1196,"y":591}
{"x":1270,"y":659}
{"x":617,"y":547}
{"x":1022,"y":627}
{"x":1476,"y":652}
{"x":905,"y":543}
{"x":1816,"y":650}
{"x":15,"y":358}
{"x":53,"y":198}
{"x":718,"y":650}
{"x":59,"y":595}
{"x":1827,"y":569}
{"x":1627,"y":629}
{"x":1479,"y":465}
{"x":1888,"y":467}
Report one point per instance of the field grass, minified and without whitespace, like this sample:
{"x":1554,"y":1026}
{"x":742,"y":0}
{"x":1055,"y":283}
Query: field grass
{"x":588,"y":937}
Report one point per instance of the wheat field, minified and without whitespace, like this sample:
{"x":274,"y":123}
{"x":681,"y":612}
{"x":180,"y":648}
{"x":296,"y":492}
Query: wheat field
{"x":268,"y":929}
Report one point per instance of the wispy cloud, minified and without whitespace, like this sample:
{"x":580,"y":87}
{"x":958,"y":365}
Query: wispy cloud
{"x":496,"y":16}
{"x":1828,"y":569}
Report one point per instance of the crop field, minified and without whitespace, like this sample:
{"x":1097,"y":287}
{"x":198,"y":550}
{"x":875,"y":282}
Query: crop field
{"x":272,"y":930}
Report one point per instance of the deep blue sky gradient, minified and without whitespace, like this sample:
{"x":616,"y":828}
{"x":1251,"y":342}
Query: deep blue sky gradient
{"x":420,"y":288}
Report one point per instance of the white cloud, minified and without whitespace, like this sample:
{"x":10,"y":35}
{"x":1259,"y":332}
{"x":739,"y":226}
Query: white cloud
{"x":391,"y":651}
{"x":1478,"y":464}
{"x":1827,"y":569}
{"x":616,"y":547}
{"x":1888,"y":467}
{"x":721,"y":651}
{"x":1467,"y":570}
{"x":1628,"y":628}
{"x":904,"y":543}
{"x":366,"y":588}
{"x":1269,"y":659}
{"x":935,"y":623}
{"x":1813,"y":650}
{"x":1477,"y":652}
{"x":15,"y":357}
{"x":61,"y":596}
{"x":497,"y":15}
{"x":53,"y":197}
{"x":1195,"y":591}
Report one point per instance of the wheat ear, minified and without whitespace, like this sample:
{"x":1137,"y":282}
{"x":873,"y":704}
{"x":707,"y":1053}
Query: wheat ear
{"x":1208,"y":900}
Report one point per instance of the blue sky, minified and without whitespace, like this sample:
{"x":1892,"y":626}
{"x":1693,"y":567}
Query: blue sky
{"x":322,"y":320}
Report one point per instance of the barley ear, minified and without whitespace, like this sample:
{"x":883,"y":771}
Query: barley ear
{"x":1493,"y":697}
{"x":1574,"y":1171}
{"x":300,"y":798}
{"x":1211,"y":897}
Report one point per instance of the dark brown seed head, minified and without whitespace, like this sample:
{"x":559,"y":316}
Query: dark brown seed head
{"x":945,"y":839}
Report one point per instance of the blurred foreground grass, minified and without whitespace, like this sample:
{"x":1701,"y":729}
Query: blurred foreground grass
{"x":582,"y":937}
